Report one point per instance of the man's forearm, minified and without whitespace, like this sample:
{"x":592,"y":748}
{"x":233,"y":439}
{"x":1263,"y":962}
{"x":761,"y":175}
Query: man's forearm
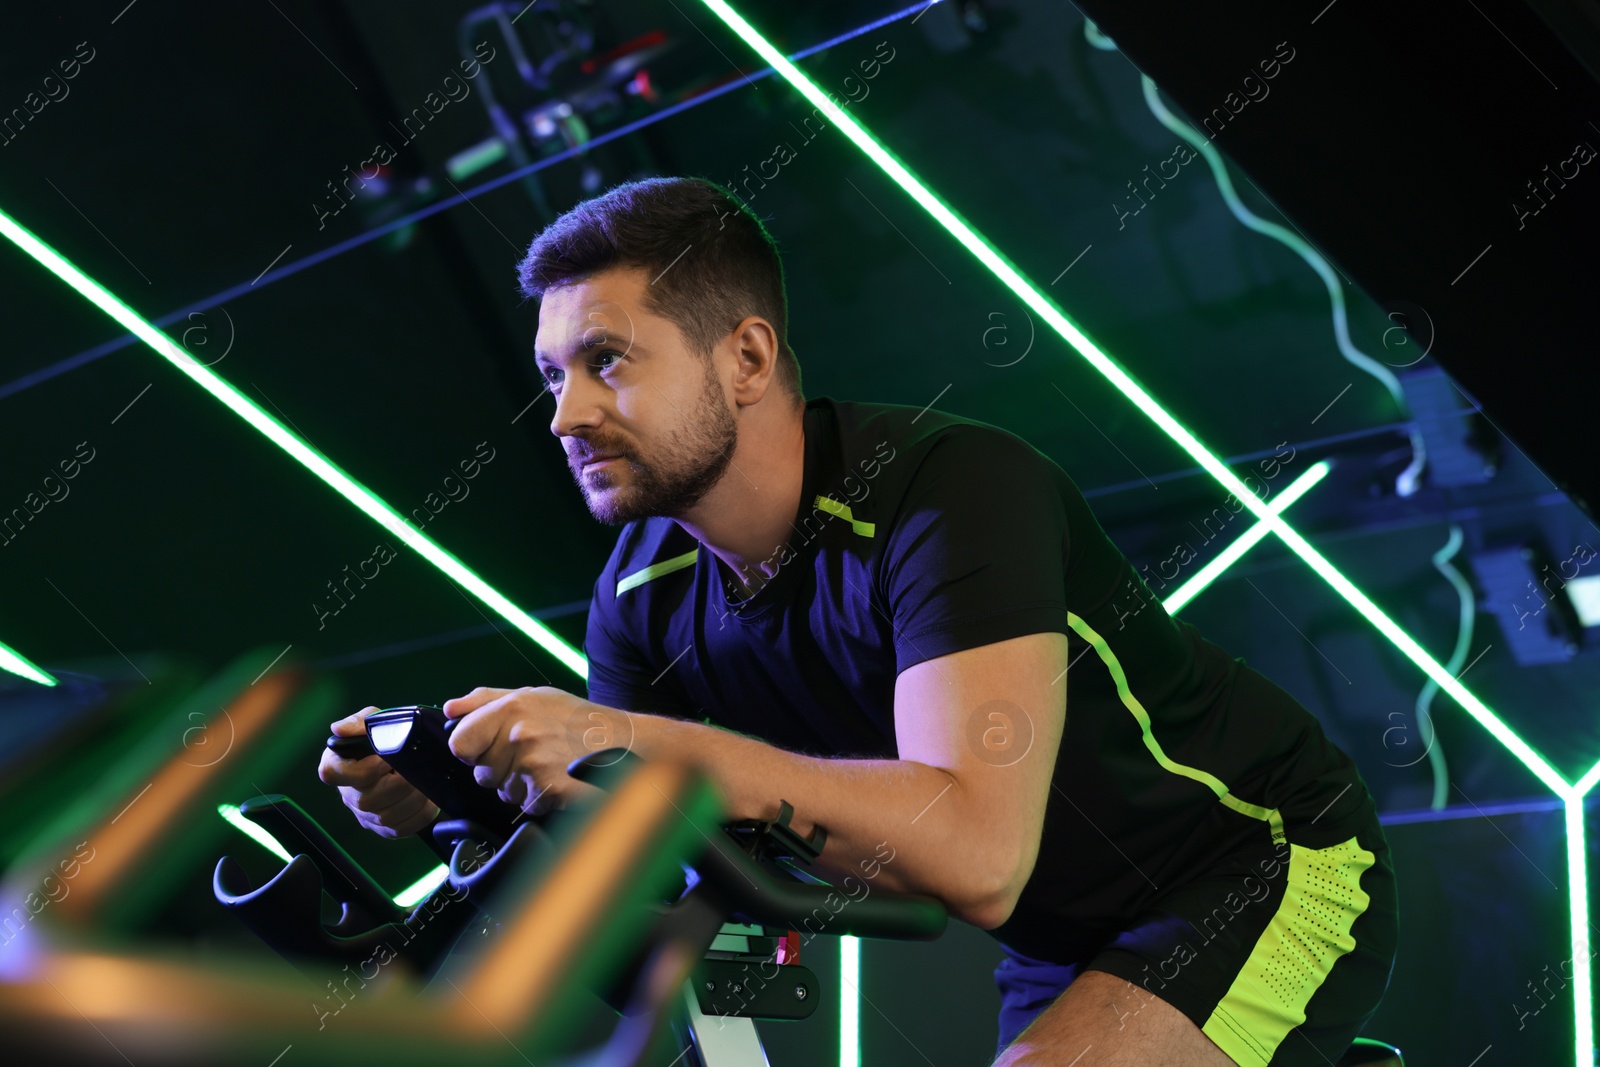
{"x":902,"y":823}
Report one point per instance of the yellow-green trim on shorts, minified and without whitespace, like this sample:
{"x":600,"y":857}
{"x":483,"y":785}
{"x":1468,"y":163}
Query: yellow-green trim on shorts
{"x":1308,"y":934}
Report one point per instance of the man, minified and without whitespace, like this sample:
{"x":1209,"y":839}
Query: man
{"x":867,"y":610}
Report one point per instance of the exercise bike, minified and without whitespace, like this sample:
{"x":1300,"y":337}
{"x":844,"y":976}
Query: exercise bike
{"x":734,"y":922}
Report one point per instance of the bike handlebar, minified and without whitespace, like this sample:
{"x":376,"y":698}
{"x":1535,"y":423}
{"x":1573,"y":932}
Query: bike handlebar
{"x":756,"y":894}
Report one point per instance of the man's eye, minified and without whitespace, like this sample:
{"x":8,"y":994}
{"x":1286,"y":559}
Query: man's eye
{"x":599,"y":356}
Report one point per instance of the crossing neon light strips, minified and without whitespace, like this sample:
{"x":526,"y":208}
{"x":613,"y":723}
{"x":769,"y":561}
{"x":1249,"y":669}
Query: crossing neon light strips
{"x":1571,"y":793}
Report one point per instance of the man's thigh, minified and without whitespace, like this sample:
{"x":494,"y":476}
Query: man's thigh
{"x":1269,"y":962}
{"x":1105,"y":1021}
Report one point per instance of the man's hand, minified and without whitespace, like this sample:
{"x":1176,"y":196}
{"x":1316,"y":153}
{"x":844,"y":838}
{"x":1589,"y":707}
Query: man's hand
{"x":521,"y":741}
{"x":382,"y":801}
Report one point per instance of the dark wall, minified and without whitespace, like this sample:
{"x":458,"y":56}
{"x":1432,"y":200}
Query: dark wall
{"x":196,"y":145}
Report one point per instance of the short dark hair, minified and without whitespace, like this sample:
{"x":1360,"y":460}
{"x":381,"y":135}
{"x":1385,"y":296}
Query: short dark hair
{"x":712,"y":261}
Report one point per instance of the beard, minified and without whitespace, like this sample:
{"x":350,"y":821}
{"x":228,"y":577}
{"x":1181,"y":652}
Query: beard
{"x":688,"y":461}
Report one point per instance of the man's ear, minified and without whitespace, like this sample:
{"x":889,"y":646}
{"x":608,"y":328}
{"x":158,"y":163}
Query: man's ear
{"x":756,"y":349}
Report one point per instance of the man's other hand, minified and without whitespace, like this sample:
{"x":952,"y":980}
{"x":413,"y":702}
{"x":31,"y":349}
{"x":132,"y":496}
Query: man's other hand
{"x":521,"y":741}
{"x":382,"y":801}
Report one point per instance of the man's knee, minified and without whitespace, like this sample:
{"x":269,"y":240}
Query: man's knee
{"x":1122,"y":1022}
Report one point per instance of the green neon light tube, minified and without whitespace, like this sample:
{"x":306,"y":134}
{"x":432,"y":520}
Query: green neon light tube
{"x":417,"y":891}
{"x":1232,"y":554}
{"x":408,"y":897}
{"x":849,"y":1002}
{"x":342,"y":483}
{"x":237,"y":820}
{"x":15,"y":662}
{"x":1269,"y":519}
{"x":1578,"y":907}
{"x":1125,"y":383}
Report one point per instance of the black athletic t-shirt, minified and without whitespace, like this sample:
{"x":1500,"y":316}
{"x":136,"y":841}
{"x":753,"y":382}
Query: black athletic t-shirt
{"x":921,"y":534}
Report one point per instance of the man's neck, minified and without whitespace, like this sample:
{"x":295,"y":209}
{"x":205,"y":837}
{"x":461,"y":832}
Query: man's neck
{"x":748,"y":517}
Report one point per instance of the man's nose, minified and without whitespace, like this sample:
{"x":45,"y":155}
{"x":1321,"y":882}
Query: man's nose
{"x":576,"y":407}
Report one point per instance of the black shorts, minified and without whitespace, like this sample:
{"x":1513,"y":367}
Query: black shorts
{"x":1279,"y":954}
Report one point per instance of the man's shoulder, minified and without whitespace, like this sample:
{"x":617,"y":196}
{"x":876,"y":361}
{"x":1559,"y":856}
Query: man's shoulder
{"x":907,"y":464}
{"x":923,"y":433}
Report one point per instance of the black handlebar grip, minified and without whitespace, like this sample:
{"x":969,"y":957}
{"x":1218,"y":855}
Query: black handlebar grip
{"x":770,"y":901}
{"x":344,"y":878}
{"x":604,"y":767}
{"x":357,"y":747}
{"x":416,"y":743}
{"x":751,"y":889}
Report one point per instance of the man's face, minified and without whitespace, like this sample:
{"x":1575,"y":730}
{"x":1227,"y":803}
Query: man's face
{"x":628,"y":386}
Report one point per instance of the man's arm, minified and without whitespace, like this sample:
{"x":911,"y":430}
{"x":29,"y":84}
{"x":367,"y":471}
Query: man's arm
{"x":960,"y":812}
